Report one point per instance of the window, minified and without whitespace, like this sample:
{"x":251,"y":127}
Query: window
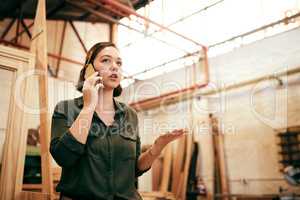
{"x":290,"y":147}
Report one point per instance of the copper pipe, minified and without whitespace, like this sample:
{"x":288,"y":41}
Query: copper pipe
{"x":137,"y":105}
{"x":128,"y":10}
{"x":49,"y":54}
{"x":113,"y":20}
{"x":220,"y":43}
{"x":107,"y":7}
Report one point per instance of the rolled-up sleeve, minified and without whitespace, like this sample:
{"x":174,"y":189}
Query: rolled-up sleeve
{"x":64,"y":148}
{"x":139,"y":172}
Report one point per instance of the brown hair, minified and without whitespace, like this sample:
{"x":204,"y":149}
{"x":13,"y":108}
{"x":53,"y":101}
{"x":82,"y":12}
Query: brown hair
{"x":90,"y":57}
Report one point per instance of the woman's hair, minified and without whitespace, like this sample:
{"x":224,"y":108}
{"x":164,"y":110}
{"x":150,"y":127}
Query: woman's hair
{"x":90,"y":57}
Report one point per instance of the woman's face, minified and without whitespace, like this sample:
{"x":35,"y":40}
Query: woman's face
{"x":109,"y":65}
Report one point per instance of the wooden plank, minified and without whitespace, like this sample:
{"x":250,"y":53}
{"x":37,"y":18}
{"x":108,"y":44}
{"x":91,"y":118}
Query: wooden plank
{"x":18,"y":62}
{"x":39,"y":49}
{"x":26,"y":195}
{"x":166,"y":171}
{"x":32,"y":187}
{"x":158,"y":194}
{"x":220,"y":156}
{"x":113,"y":33}
{"x":185,"y":173}
{"x":156,"y":170}
{"x":178,"y":163}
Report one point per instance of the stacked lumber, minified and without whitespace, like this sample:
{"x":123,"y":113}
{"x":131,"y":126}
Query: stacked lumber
{"x":170,"y":172}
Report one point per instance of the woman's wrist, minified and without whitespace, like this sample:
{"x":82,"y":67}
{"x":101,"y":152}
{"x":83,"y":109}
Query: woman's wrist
{"x":155,"y":149}
{"x":87,"y":110}
{"x":153,"y":154}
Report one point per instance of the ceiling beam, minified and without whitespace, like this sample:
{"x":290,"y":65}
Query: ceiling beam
{"x":49,"y":14}
{"x":78,"y":36}
{"x":11,"y":23}
{"x":25,"y":28}
{"x":61,"y":48}
{"x":52,"y":55}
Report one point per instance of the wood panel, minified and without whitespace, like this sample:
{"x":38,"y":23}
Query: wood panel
{"x":166,"y":170}
{"x":19,"y":62}
{"x":25,"y":195}
{"x":39,"y":49}
{"x":178,"y":163}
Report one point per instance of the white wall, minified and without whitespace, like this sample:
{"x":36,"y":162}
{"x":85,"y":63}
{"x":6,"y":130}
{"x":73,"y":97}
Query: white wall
{"x":248,"y":115}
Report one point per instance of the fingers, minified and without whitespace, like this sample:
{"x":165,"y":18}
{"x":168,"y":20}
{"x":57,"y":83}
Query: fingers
{"x":94,"y":78}
{"x":99,"y":85}
{"x":178,"y":131}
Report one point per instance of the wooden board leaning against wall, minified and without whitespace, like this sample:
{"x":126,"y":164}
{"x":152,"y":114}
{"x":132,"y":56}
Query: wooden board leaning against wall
{"x":19,"y":63}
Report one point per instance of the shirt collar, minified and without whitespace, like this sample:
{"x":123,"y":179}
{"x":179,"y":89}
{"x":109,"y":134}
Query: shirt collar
{"x":119,"y":107}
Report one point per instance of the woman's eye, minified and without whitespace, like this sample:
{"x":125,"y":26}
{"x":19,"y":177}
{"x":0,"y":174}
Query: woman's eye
{"x":119,"y":63}
{"x":106,"y":61}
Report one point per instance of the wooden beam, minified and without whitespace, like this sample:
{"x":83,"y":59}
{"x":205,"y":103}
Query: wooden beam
{"x":186,"y":167}
{"x":17,"y":31}
{"x":166,"y":168}
{"x":25,"y":28}
{"x":26,"y":195}
{"x":61,"y":48}
{"x":11,"y":23}
{"x":78,"y":36}
{"x":113,"y":32}
{"x":49,"y":14}
{"x":49,"y":54}
{"x":220,"y":162}
{"x":39,"y":49}
{"x":178,"y":164}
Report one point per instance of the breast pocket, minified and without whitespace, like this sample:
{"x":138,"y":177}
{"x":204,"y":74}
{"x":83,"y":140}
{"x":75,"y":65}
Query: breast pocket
{"x":128,"y":141}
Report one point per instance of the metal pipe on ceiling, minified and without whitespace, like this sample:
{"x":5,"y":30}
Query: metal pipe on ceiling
{"x":223,"y":42}
{"x":181,"y":19}
{"x":111,"y":19}
{"x":156,"y":101}
{"x":128,"y":10}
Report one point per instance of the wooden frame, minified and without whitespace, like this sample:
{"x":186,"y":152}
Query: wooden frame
{"x":18,"y":62}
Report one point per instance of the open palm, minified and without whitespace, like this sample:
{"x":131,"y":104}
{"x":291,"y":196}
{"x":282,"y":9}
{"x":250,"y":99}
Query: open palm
{"x":165,"y":139}
{"x":168,"y":137}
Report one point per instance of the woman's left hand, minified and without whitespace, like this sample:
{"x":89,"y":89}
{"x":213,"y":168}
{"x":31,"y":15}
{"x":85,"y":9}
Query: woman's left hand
{"x":165,"y":139}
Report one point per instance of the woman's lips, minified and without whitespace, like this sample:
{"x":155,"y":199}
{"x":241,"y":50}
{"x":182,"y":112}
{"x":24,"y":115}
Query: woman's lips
{"x":113,"y":77}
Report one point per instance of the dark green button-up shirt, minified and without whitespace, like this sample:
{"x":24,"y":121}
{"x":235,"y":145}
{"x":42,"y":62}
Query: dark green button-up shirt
{"x":104,"y":167}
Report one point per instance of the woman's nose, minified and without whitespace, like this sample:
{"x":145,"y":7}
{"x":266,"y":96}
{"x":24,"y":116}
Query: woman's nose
{"x":114,"y":67}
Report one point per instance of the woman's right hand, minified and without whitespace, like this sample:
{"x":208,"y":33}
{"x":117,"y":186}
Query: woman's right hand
{"x":90,"y":91}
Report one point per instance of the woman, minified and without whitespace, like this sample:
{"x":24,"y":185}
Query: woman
{"x":95,"y":138}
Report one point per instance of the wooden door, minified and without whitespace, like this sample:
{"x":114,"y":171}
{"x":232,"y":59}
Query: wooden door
{"x":15,"y":65}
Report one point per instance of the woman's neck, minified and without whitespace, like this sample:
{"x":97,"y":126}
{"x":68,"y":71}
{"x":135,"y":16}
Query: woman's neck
{"x":105,"y":100}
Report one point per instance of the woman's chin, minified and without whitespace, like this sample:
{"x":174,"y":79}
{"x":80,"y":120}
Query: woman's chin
{"x":111,"y":86}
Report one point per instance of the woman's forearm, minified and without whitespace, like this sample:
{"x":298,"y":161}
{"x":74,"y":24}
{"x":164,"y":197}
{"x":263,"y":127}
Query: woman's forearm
{"x":147,"y":158}
{"x":81,"y":126}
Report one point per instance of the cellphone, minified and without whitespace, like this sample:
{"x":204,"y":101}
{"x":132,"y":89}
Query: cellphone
{"x":89,"y":71}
